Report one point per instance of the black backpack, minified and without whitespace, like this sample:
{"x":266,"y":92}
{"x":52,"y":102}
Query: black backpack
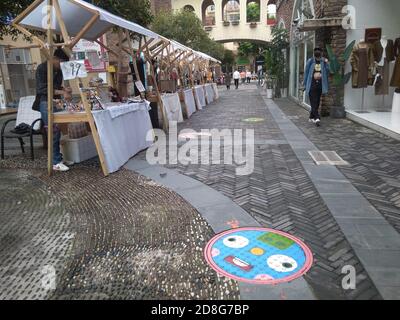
{"x":22,"y":128}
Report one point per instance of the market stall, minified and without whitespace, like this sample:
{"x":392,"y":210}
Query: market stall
{"x":209,"y":93}
{"x":172,"y":106}
{"x":200,"y":97}
{"x":74,"y":20}
{"x":189,"y":102}
{"x":69,"y":21}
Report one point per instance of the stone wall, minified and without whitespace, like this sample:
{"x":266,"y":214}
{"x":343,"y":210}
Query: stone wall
{"x":336,"y":37}
{"x":157,"y":5}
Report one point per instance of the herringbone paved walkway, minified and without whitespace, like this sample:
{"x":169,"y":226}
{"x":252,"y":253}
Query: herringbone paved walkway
{"x":279,"y":194}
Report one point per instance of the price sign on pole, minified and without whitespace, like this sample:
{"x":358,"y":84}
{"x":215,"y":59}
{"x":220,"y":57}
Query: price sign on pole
{"x":73,"y":69}
{"x":139,"y":86}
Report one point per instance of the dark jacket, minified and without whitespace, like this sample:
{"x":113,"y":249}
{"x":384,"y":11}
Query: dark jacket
{"x":378,"y":51}
{"x":41,"y":81}
{"x":228,"y":79}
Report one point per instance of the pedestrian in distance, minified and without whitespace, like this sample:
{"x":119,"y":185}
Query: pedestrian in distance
{"x":243,"y":76}
{"x":228,"y":79}
{"x":236,"y":78}
{"x":248,"y":76}
{"x":316,"y":83}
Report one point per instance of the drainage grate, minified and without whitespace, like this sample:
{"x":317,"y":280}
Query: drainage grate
{"x":327,"y":158}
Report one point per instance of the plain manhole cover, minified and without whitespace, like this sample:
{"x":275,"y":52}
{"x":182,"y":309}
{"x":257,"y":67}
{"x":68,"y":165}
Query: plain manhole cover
{"x":327,"y":158}
{"x":258,"y":255}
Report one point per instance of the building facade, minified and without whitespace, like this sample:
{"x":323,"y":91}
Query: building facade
{"x":227,"y":20}
{"x":17,"y":71}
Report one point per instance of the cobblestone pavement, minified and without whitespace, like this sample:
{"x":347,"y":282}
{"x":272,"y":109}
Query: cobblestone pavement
{"x":373,"y":157}
{"x":279,"y":194}
{"x":120,"y":237}
{"x":125,"y":237}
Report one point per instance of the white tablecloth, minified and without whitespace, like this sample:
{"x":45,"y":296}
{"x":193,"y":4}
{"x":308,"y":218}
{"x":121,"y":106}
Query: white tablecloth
{"x":189,"y":101}
{"x":122,"y":130}
{"x":172,"y":106}
{"x":209,"y":92}
{"x":216,"y":93}
{"x":200,"y":97}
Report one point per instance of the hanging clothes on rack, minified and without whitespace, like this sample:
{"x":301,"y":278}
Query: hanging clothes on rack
{"x":362,"y":62}
{"x":384,"y":54}
{"x":395,"y":82}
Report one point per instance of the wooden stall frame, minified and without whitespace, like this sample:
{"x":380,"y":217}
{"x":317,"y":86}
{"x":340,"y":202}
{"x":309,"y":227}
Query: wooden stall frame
{"x":150,"y":50}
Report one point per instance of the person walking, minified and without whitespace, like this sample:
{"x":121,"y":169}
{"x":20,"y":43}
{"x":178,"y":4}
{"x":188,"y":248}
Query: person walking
{"x":248,"y":76}
{"x":316,"y":82}
{"x":228,"y":80}
{"x":41,"y":94}
{"x":243,"y":76}
{"x":236,"y":78}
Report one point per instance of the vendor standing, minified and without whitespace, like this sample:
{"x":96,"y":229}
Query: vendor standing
{"x":41,"y":96}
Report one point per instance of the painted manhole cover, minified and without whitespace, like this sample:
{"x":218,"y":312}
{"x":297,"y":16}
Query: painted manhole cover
{"x":258,"y":255}
{"x":252,"y":120}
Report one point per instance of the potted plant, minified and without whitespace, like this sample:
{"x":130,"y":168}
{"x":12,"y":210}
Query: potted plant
{"x":269,"y":85}
{"x":339,"y":78}
{"x":226,"y":23}
{"x":253,"y":24}
{"x":235,"y":22}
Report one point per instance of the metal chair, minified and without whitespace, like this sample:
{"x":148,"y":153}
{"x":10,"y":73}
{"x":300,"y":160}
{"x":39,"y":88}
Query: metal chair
{"x":25,"y":115}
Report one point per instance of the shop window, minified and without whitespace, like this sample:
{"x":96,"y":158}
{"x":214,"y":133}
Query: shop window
{"x":17,"y":56}
{"x":208,"y":13}
{"x":231,"y":10}
{"x":253,"y":10}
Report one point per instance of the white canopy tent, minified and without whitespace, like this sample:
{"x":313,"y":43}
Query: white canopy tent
{"x":76,"y":14}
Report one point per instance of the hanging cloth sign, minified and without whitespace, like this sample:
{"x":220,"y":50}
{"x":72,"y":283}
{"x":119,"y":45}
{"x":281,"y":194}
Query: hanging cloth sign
{"x":73,"y":69}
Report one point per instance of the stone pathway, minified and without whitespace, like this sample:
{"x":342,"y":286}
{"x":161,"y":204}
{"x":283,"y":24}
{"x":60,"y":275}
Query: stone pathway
{"x":120,"y":237}
{"x":140,"y":233}
{"x":279,"y":193}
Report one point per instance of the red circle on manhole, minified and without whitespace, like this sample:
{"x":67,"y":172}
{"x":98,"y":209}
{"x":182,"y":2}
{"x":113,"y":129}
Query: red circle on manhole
{"x":258,"y":255}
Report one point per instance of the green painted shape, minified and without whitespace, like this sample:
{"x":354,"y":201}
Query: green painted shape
{"x":253,"y":119}
{"x":276,"y":240}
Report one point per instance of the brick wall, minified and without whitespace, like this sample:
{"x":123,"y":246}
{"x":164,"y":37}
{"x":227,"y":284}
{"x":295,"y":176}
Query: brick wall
{"x":336,"y":37}
{"x":157,"y":5}
{"x":285,"y":11}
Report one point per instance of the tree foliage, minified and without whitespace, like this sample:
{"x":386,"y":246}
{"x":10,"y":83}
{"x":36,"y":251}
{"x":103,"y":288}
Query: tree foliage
{"x":275,"y":62}
{"x":185,"y":27}
{"x":253,"y":12}
{"x":9,"y":9}
{"x":137,"y":11}
{"x":133,"y":10}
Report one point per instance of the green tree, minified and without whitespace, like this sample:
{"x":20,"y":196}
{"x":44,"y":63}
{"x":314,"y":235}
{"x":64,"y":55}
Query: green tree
{"x":185,"y":27}
{"x":9,"y":9}
{"x":253,"y":12}
{"x":138,"y":11}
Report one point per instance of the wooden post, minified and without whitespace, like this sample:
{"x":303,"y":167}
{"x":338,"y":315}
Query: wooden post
{"x":50,"y":89}
{"x":155,"y":84}
{"x":134,"y":60}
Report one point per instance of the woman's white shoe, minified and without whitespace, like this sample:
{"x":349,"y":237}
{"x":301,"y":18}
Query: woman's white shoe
{"x":60,"y":167}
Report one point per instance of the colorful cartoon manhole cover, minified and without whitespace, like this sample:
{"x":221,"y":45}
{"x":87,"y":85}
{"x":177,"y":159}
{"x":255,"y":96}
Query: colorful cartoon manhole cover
{"x":258,"y":255}
{"x":253,"y":120}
